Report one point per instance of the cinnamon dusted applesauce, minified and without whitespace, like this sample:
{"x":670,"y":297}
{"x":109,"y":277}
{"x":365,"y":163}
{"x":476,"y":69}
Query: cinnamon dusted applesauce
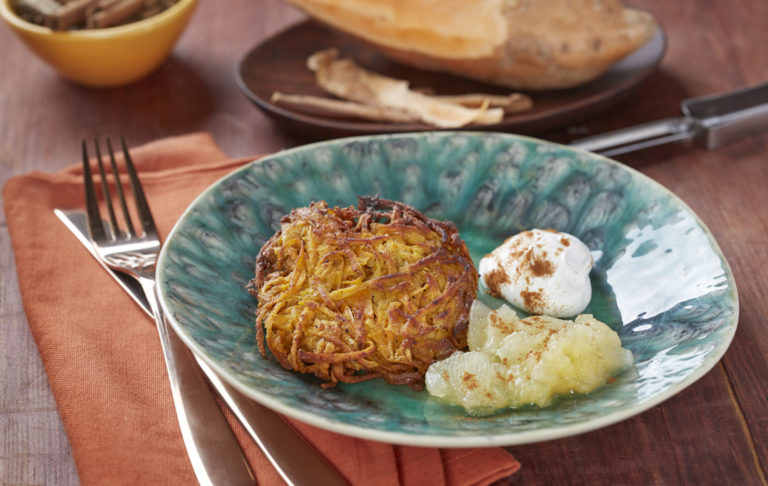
{"x":515,"y":362}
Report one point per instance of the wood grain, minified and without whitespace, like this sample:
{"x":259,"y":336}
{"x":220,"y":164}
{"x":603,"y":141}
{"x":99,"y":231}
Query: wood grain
{"x":714,"y":432}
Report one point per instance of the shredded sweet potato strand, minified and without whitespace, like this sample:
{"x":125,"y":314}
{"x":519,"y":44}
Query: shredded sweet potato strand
{"x":352,"y":294}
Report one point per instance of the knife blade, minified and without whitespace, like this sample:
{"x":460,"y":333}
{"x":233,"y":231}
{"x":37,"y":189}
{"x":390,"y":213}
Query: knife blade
{"x":297,"y":461}
{"x":709,"y":121}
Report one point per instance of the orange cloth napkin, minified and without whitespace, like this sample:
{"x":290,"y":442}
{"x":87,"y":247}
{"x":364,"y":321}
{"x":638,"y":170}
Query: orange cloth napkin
{"x":103,"y":358}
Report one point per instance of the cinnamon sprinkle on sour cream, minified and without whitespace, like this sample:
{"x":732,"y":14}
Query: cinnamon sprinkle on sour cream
{"x":540,"y":271}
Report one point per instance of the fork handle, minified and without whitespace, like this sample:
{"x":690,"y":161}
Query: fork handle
{"x":216,"y":456}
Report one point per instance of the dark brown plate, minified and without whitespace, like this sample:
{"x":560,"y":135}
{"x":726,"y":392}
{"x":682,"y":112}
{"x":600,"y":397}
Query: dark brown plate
{"x":279,"y":64}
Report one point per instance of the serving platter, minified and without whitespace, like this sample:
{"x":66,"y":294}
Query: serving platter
{"x":280,"y":64}
{"x":660,"y":280}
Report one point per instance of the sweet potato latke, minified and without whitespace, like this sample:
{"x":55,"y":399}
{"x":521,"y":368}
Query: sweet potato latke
{"x":354,"y":294}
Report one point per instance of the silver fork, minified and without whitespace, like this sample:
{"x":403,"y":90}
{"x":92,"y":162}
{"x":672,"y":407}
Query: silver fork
{"x":216,"y":457}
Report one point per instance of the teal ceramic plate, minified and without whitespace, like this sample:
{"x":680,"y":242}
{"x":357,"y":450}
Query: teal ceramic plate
{"x":660,"y":280}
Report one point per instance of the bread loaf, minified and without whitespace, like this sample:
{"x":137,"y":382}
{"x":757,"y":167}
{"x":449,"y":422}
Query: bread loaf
{"x":521,"y":44}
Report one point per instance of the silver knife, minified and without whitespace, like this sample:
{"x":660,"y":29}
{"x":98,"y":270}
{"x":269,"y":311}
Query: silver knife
{"x":709,"y":121}
{"x":297,"y":461}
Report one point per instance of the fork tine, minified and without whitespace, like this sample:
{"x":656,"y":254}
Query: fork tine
{"x":119,"y":186}
{"x":95,"y":225}
{"x":147,"y":222}
{"x":105,"y":189}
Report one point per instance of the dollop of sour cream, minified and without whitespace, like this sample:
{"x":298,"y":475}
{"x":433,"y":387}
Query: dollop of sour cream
{"x":540,"y":271}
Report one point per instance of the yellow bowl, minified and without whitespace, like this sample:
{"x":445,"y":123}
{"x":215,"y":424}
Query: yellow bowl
{"x":106,"y":57}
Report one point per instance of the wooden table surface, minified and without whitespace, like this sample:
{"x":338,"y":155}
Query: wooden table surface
{"x":714,"y":432}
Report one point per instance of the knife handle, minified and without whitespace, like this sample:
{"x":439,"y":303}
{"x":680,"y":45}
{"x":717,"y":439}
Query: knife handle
{"x":727,"y":117}
{"x":297,"y":462}
{"x":214,"y":452}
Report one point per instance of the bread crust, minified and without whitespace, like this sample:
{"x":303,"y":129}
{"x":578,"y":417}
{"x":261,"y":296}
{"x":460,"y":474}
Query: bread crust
{"x":545,"y":44}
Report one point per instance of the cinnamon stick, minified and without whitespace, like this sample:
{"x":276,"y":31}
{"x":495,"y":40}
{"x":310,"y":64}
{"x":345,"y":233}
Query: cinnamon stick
{"x":68,"y":15}
{"x":113,"y":12}
{"x":36,"y":11}
{"x":77,"y":14}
